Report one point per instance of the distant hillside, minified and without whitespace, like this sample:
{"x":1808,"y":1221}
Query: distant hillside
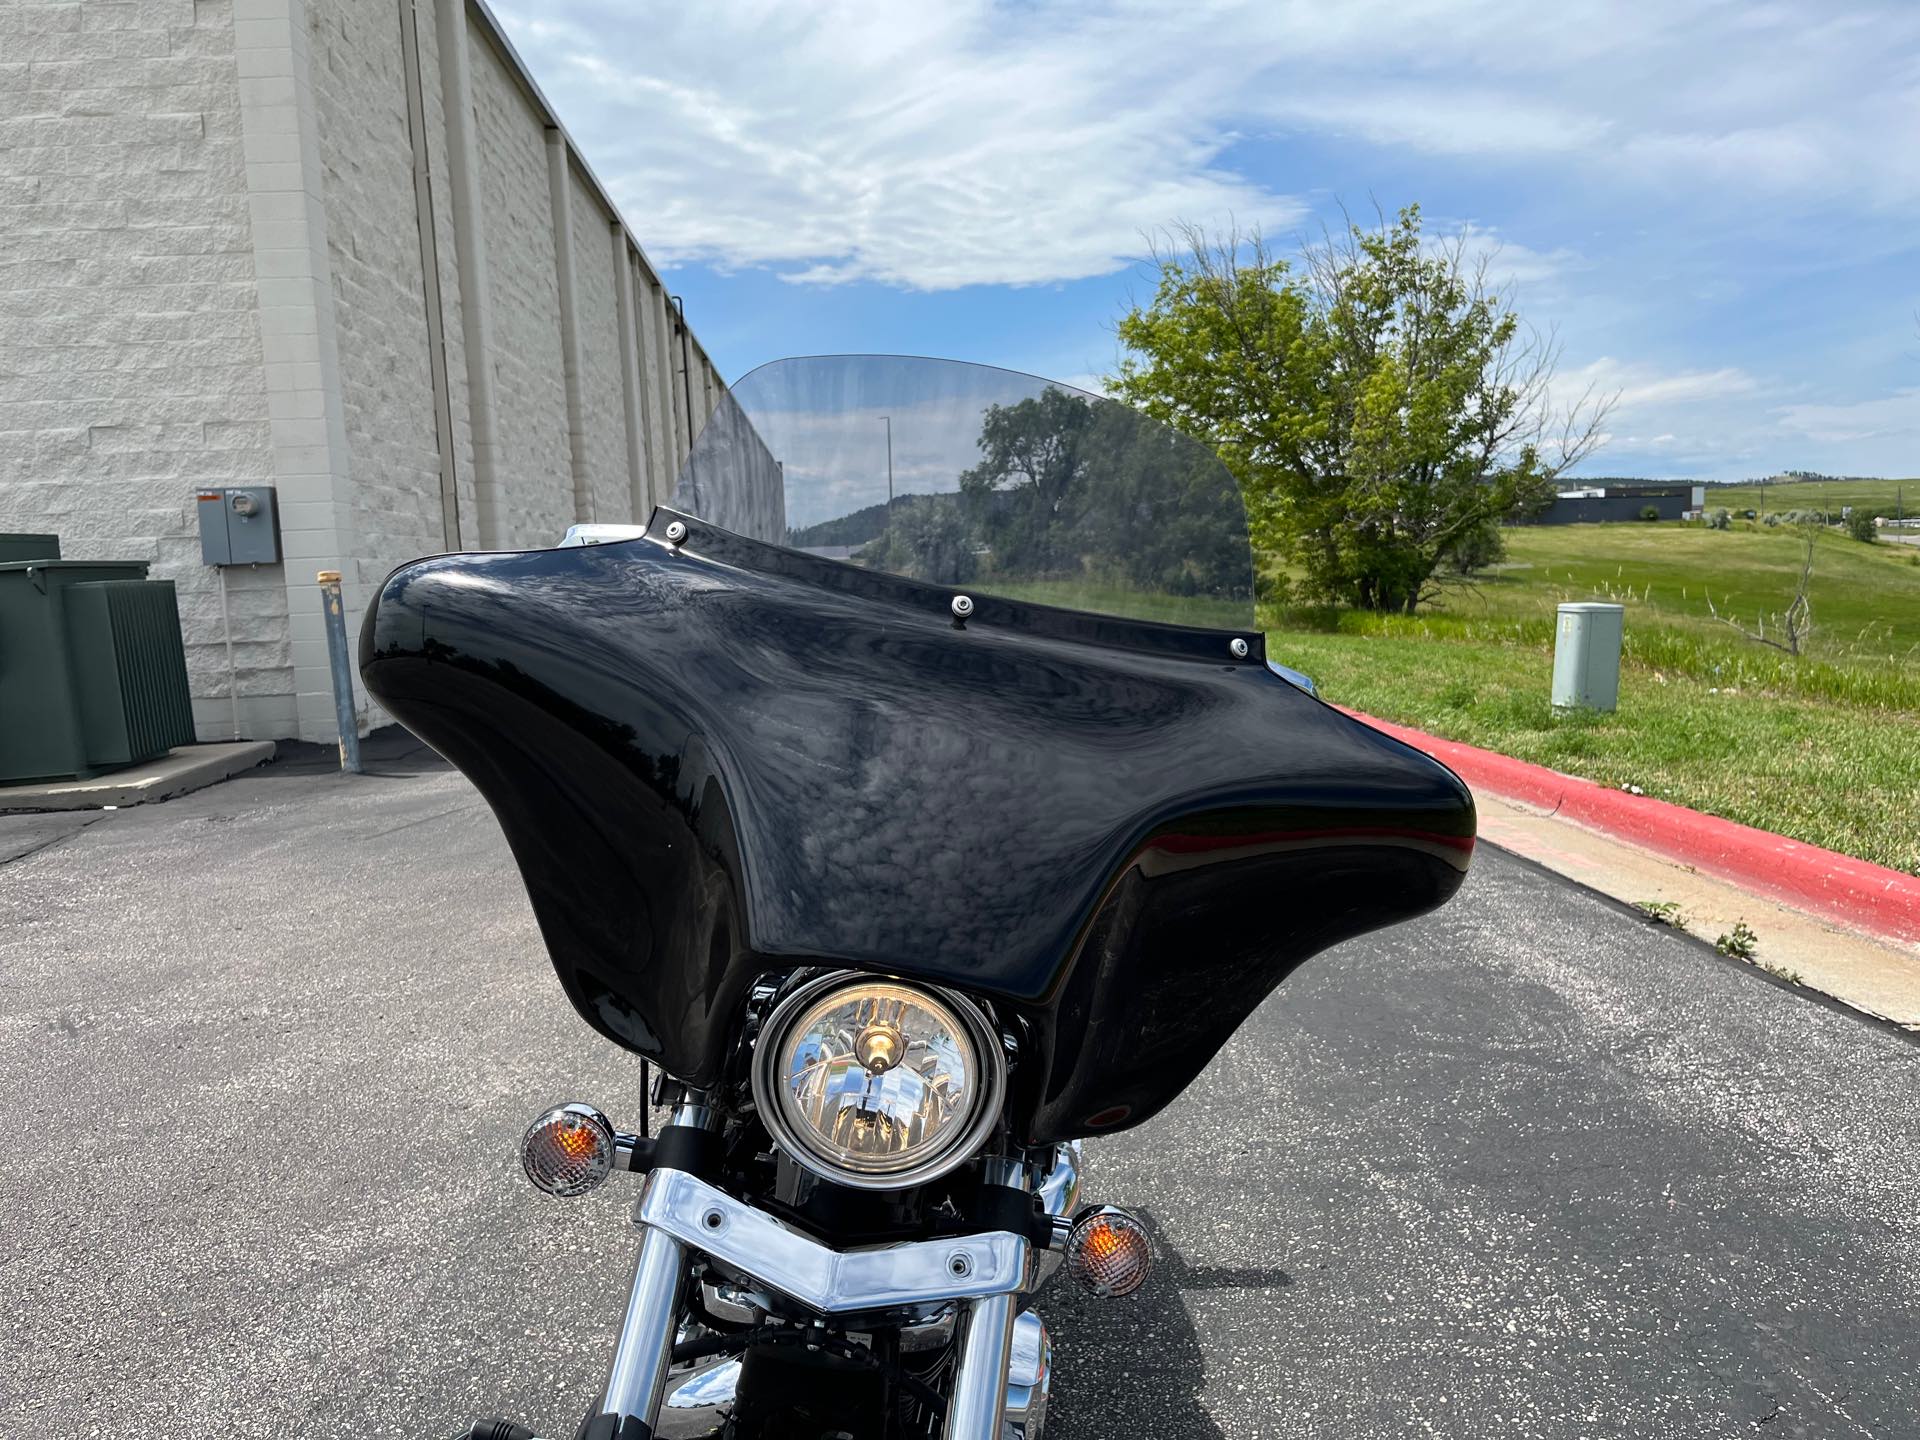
{"x":865,"y":524}
{"x":855,"y":529}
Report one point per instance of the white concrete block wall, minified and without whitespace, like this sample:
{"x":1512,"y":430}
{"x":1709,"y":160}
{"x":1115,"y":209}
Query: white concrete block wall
{"x":210,"y":274}
{"x":534,"y":464}
{"x":603,"y":407}
{"x":656,"y":418}
{"x":373,"y":247}
{"x":130,"y":351}
{"x":447,"y":254}
{"x":299,"y":337}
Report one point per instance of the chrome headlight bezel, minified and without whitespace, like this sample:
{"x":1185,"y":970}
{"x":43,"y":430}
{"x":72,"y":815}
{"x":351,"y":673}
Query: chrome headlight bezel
{"x":795,"y":1139}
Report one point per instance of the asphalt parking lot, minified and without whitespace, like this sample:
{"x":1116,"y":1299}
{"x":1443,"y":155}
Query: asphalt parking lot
{"x":1528,"y":1167}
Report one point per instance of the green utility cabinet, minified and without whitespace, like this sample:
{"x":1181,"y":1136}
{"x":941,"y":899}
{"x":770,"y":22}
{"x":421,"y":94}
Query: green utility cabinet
{"x":93,"y":674}
{"x":1586,"y":657}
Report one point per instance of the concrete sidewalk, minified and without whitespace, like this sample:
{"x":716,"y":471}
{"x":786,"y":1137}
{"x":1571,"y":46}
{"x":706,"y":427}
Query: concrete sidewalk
{"x":183,"y":769}
{"x":1879,"y":977}
{"x":1819,"y":919}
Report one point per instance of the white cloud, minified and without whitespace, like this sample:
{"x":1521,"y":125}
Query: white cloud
{"x":1672,"y":421}
{"x":1894,"y":417}
{"x":926,"y":148}
{"x":931,"y":147}
{"x":1641,"y":387}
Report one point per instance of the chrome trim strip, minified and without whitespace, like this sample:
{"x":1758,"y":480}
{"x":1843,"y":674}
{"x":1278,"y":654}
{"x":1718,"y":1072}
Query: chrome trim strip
{"x":1060,"y":1190}
{"x":833,"y":1282}
{"x":1059,"y":1196}
{"x":1029,"y":1376}
{"x":699,"y":1401}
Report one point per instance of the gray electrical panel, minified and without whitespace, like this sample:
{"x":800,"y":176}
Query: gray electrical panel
{"x":1586,"y":656}
{"x":239,"y":526}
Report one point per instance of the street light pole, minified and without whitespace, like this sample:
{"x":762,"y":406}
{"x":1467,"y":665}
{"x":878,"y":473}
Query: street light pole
{"x":889,"y":423}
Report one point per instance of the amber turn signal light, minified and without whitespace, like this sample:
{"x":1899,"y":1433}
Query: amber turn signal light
{"x":568,"y":1151}
{"x":1109,"y":1251}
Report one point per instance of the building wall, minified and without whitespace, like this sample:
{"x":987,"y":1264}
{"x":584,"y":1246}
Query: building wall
{"x":373,"y":245}
{"x":602,"y":404}
{"x":1603,"y":509}
{"x":130,"y":353}
{"x":211,"y":274}
{"x":534,"y":458}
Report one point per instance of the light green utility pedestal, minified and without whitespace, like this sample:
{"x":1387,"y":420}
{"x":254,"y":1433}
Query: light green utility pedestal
{"x":1586,"y":657}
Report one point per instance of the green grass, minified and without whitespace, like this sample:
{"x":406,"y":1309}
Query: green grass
{"x":1824,"y":747}
{"x":1818,"y":495}
{"x":1199,"y":610}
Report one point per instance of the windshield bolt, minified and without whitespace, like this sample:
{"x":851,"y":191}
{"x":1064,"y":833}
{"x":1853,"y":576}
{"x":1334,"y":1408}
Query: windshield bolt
{"x":962,"y":606}
{"x":676,"y":532}
{"x":1238,"y":647}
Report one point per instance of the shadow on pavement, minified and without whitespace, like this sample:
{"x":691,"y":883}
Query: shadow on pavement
{"x":1136,"y":1367}
{"x":388,"y":753}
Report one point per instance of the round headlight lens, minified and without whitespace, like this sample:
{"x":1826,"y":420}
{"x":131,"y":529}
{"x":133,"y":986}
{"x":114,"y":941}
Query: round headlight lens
{"x":877,"y":1083}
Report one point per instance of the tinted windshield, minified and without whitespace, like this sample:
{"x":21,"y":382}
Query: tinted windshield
{"x":970,"y":475}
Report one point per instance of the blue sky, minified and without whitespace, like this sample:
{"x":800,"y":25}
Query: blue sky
{"x":1713,"y":206}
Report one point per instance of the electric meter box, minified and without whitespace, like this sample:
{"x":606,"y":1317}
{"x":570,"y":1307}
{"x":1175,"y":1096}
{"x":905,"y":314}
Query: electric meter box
{"x":239,"y":526}
{"x":1586,"y":657}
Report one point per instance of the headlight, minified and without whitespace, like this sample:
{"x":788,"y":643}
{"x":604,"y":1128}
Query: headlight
{"x":877,"y":1084}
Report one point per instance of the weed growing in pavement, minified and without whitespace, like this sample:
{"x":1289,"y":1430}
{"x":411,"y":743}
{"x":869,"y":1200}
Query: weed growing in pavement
{"x":1662,"y":912}
{"x":1742,"y":944}
{"x":1780,"y":972}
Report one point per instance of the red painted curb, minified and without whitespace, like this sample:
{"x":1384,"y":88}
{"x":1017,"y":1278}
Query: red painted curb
{"x":1857,"y":894}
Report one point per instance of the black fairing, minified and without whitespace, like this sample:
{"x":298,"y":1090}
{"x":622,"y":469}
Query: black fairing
{"x":720,"y":760}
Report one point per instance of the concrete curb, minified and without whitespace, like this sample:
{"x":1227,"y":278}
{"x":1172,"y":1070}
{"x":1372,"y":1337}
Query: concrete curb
{"x":1851,"y":892}
{"x":184,"y":768}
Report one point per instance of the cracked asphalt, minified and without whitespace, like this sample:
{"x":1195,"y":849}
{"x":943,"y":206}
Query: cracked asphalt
{"x":1528,"y":1167}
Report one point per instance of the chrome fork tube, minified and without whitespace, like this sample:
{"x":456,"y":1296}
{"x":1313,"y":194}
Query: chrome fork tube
{"x":637,"y":1382}
{"x":639,"y":1374}
{"x":978,"y":1405}
{"x":976,"y":1410}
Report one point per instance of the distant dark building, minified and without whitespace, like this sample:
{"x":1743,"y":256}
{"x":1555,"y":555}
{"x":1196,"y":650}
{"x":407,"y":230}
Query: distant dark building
{"x":1597,"y":503}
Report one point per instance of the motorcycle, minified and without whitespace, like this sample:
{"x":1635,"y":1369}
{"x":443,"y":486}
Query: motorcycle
{"x":913,"y":793}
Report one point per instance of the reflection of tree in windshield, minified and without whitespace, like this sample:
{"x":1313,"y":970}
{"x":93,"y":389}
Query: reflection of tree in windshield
{"x":1075,"y":488}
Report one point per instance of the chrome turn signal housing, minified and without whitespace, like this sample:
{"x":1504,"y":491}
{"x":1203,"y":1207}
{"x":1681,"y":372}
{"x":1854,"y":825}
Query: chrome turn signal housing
{"x":568,"y":1151}
{"x":1109,"y":1251}
{"x":878,"y":1084}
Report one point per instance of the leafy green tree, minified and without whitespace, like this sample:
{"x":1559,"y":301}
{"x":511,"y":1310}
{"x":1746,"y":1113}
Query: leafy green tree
{"x":1071,"y":486}
{"x":927,"y":539}
{"x":1382,"y":407}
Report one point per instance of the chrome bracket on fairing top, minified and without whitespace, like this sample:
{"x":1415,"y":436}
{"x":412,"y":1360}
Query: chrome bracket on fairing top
{"x":831,"y":1281}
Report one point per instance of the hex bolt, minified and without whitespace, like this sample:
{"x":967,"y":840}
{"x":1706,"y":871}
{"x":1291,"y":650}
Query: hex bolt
{"x":1239,"y":648}
{"x":676,"y":531}
{"x":962,"y":606}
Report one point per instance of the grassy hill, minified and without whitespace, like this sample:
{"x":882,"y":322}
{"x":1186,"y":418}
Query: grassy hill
{"x":1880,"y":496}
{"x":1824,"y":746}
{"x":1866,"y":598}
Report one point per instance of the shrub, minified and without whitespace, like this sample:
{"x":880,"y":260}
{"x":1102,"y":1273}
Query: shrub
{"x":1861,"y":526}
{"x":1721,"y":519}
{"x":1650,"y":512}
